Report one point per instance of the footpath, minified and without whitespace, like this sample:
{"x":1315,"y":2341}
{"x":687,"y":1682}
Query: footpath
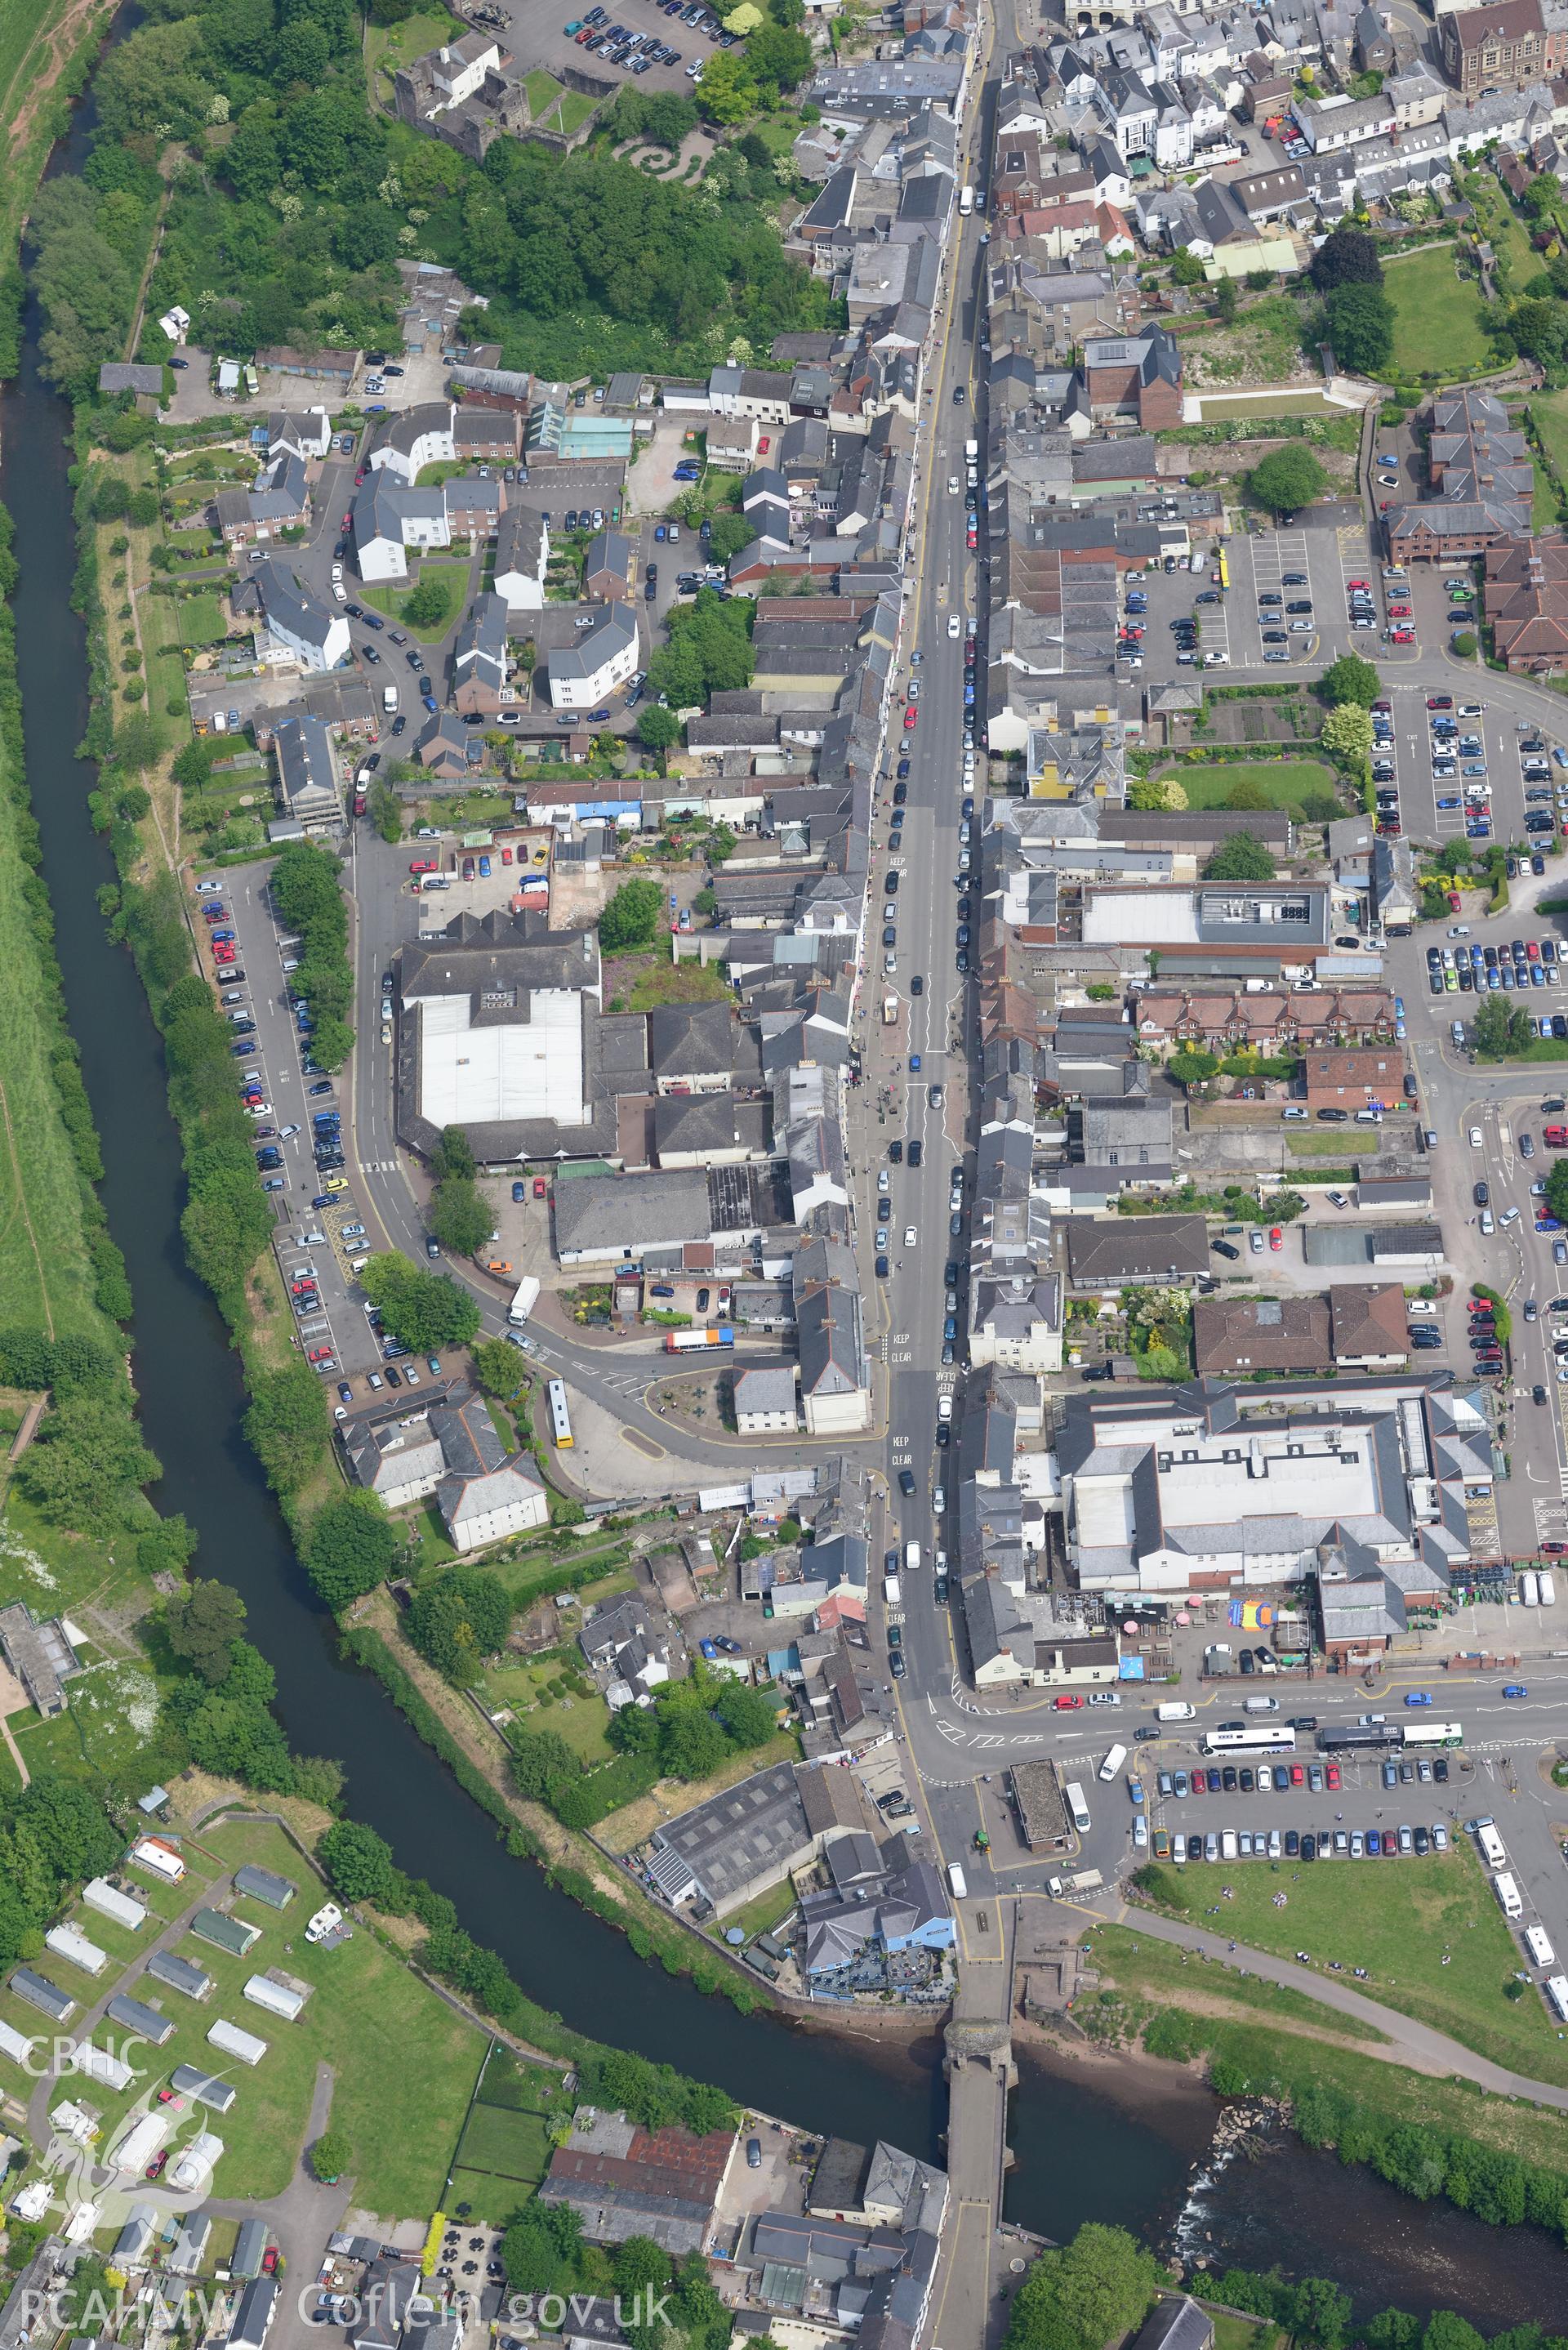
{"x":1415,"y":2044}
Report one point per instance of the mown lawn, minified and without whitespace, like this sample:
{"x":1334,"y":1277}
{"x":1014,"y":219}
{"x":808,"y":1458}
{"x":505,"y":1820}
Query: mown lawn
{"x":403,"y":2118}
{"x":1437,"y":328}
{"x":1284,"y":780}
{"x":1429,"y":1933}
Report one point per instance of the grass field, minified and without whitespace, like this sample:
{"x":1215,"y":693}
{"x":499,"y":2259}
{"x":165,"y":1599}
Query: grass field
{"x":403,"y":2118}
{"x":1402,"y":1924}
{"x":201,"y":619}
{"x":44,"y":1277}
{"x":505,"y":2147}
{"x":393,"y":601}
{"x":582,"y":1721}
{"x":1437,"y":328}
{"x":542,"y":90}
{"x":1284,"y":780}
{"x":677,"y":982}
{"x":511,"y":2145}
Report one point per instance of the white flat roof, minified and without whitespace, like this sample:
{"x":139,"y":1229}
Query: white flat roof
{"x":523,"y":1069}
{"x":1139,"y":917}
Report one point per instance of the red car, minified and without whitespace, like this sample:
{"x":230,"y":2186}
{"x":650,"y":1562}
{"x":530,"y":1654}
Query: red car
{"x":1399,"y":612}
{"x":911,"y":715}
{"x":1554,"y":1549}
{"x":1298,"y":1776}
{"x":541,"y":1187}
{"x":1439,"y":701}
{"x":970,"y":541}
{"x":1532,"y":949}
{"x":423,"y":865}
{"x":1454,"y":906}
{"x":321,"y":1354}
{"x":1276,"y":1237}
{"x":1401,"y":636}
{"x":1333,"y":1774}
{"x":1356,"y":583}
{"x":1067,"y":1704}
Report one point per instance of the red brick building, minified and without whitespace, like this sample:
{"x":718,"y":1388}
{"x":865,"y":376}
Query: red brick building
{"x":1135,"y":375}
{"x":1526,"y":597}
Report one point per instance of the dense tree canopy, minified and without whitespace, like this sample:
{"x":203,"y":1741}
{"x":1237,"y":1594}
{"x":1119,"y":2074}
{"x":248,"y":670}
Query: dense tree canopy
{"x":1242,"y":857}
{"x":1350,"y":679}
{"x":1288,"y":478}
{"x":201,"y":1624}
{"x":352,"y":1547}
{"x":425,"y":1310}
{"x":630,"y":917}
{"x":1360,"y":323}
{"x":458,"y":1618}
{"x":1349,"y":257}
{"x":1083,"y":2294}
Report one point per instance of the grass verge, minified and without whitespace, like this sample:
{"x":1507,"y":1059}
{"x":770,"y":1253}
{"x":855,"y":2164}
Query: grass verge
{"x":1286,"y":781}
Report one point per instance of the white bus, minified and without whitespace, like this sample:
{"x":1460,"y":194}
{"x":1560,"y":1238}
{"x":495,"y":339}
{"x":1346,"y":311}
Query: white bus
{"x":1434,"y":1733}
{"x":1077,"y":1809}
{"x":1260,"y":1738}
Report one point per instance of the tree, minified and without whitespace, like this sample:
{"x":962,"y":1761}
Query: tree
{"x":1319,"y":807}
{"x":1225,"y":301}
{"x":1189,"y":1068}
{"x":497,"y":1368}
{"x":1350,"y":679}
{"x":728,"y":534}
{"x":459,"y":1218}
{"x":85,"y":1465}
{"x":1247,"y":796}
{"x":1186,"y":269}
{"x":1242,"y":857}
{"x":1347,"y":731}
{"x":628,"y":922}
{"x":1156,"y":795}
{"x":777,"y":57}
{"x":1492,"y":1038}
{"x":425,"y":1310}
{"x":352,"y":1547}
{"x":287,"y":1425}
{"x":641,"y":2272}
{"x":201,"y":1624}
{"x":727,"y":91}
{"x":748,"y":1716}
{"x":1360,"y":321}
{"x":1320,"y":2312}
{"x":331,"y":2155}
{"x":657,"y":728}
{"x":1347,"y":257}
{"x":1290,"y":478}
{"x":1083,"y":2294}
{"x":360,"y":1866}
{"x":458,"y":1619}
{"x":426,"y":606}
{"x":1464,"y":645}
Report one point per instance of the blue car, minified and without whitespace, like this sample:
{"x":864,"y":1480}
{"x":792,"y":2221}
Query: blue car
{"x":519,"y":1191}
{"x":949,"y":1327}
{"x":1447,"y":804}
{"x":1417,"y":1697}
{"x":881,"y":1268}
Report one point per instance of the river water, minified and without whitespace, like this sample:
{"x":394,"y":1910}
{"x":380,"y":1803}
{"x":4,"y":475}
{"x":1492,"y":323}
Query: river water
{"x":1083,"y":2152}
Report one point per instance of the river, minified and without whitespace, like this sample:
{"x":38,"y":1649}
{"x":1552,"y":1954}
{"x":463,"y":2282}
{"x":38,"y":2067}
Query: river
{"x":1082,"y":2153}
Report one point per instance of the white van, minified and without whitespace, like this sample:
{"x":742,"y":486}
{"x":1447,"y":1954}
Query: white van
{"x":1113,"y":1762}
{"x":956,"y":1884}
{"x":1263,"y":1705}
{"x":1175,"y":1709}
{"x":1548,"y":1589}
{"x":1529,"y":1589}
{"x":912,"y":1558}
{"x":1492,"y":1849}
{"x":1507,"y":1892}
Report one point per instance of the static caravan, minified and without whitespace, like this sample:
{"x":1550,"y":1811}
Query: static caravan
{"x":263,"y":1885}
{"x":226,"y":1933}
{"x":141,"y":2142}
{"x":110,"y":1902}
{"x":190,"y":2081}
{"x":275,"y":1997}
{"x":135,"y":2015}
{"x":253,"y":2318}
{"x":249,"y":2249}
{"x":15,"y":2045}
{"x":190,"y":2172}
{"x":179,"y":1974}
{"x":99,"y":2066}
{"x":190,"y":2250}
{"x":40,"y":1992}
{"x":235,"y":2043}
{"x":159,"y":1859}
{"x":70,"y":1943}
{"x":135,"y":2236}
